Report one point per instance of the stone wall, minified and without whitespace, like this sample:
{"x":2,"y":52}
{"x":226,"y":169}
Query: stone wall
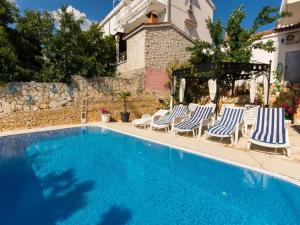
{"x":29,"y":96}
{"x":27,"y":105}
{"x":137,"y":105}
{"x":154,"y":46}
{"x":165,"y":44}
{"x":136,"y":51}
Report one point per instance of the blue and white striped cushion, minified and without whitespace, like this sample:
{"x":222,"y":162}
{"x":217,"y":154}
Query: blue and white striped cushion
{"x":270,"y":126}
{"x":178,"y":111}
{"x":200,"y":113}
{"x":230,"y":119}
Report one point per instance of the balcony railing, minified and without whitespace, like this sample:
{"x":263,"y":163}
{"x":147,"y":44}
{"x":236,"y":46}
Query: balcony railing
{"x":134,"y":8}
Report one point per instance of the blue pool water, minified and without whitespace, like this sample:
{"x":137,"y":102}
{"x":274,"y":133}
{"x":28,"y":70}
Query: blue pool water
{"x":93,"y":176}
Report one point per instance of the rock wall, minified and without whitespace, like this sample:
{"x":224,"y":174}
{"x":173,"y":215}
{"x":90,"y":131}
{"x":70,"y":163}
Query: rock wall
{"x":155,"y":46}
{"x":34,"y":96}
{"x":32,"y":104}
{"x":165,"y":44}
{"x":136,"y":51}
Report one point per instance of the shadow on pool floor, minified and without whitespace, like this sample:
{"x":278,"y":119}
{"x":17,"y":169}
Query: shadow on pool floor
{"x":116,"y":215}
{"x":23,"y":201}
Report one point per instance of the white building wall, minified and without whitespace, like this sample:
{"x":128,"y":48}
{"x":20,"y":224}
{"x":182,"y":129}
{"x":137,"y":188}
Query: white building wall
{"x":281,"y":50}
{"x":202,"y":10}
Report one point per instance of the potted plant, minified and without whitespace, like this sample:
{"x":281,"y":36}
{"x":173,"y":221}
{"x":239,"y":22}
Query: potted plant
{"x":105,"y":115}
{"x":124,"y":96}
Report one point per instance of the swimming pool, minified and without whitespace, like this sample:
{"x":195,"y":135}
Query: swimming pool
{"x":94,"y":176}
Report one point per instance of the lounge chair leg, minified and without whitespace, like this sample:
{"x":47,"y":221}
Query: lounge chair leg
{"x":195,"y":133}
{"x":248,"y":145}
{"x":199,"y":131}
{"x":288,"y":152}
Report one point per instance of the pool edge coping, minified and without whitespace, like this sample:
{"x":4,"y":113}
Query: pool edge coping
{"x":279,"y":176}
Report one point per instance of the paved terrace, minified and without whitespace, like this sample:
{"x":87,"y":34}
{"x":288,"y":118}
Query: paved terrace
{"x":263,"y":159}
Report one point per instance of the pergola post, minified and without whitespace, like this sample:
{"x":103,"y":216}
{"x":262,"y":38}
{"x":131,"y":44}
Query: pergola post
{"x":173,"y":91}
{"x":217,"y":77}
{"x":269,"y":83}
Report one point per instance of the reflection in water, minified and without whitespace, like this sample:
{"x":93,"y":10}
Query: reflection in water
{"x":13,"y":146}
{"x":255,"y":179}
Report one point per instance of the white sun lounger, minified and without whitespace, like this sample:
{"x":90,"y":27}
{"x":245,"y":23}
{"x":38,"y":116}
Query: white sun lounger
{"x":229,"y":124}
{"x":176,"y":116}
{"x":200,"y":117}
{"x":270,"y":130}
{"x":146,"y":119}
{"x":250,"y":117}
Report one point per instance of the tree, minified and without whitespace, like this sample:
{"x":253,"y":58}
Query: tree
{"x":64,"y":50}
{"x":232,"y":42}
{"x":33,"y":32}
{"x":239,"y":42}
{"x":8,"y":58}
{"x":41,"y":46}
{"x":74,"y":51}
{"x":8,"y":13}
{"x":100,"y":54}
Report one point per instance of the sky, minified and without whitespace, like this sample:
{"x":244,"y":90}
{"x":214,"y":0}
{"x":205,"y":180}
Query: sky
{"x":95,"y":10}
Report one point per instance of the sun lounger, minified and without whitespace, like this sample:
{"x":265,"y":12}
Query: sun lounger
{"x":229,"y":124}
{"x":177,"y":114}
{"x":270,"y":130}
{"x":146,"y":119}
{"x":200,"y":117}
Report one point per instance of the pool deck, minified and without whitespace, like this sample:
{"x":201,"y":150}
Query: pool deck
{"x":263,"y":160}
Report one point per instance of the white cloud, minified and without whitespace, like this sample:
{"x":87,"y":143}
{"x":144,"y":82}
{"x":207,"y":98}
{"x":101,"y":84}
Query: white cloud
{"x":14,"y":2}
{"x":77,"y":14}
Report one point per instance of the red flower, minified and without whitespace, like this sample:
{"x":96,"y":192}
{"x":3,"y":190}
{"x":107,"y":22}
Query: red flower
{"x":104,"y":111}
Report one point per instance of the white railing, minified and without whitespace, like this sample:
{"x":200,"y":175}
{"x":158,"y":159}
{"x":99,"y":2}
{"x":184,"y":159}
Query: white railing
{"x":133,"y":8}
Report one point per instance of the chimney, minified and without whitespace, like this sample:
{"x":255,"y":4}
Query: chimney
{"x":152,"y":18}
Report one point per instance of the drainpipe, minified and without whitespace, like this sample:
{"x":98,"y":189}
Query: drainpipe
{"x":168,"y":11}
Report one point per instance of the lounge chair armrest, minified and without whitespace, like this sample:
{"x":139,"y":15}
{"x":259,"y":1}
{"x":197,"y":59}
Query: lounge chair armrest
{"x":146,"y":116}
{"x":205,"y":122}
{"x":179,"y":119}
{"x":213,"y":122}
{"x":158,"y":117}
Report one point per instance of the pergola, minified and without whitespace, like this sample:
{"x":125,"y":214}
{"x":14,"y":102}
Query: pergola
{"x":225,"y":71}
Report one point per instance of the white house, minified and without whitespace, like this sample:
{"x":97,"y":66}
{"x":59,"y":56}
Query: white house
{"x":188,"y":15}
{"x":286,"y":37}
{"x":150,"y":34}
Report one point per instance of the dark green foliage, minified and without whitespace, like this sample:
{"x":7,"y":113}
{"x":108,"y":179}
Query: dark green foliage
{"x":101,"y":52}
{"x":8,"y":13}
{"x":64,"y":51}
{"x":33,"y":32}
{"x":8,"y":58}
{"x":37,"y":46}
